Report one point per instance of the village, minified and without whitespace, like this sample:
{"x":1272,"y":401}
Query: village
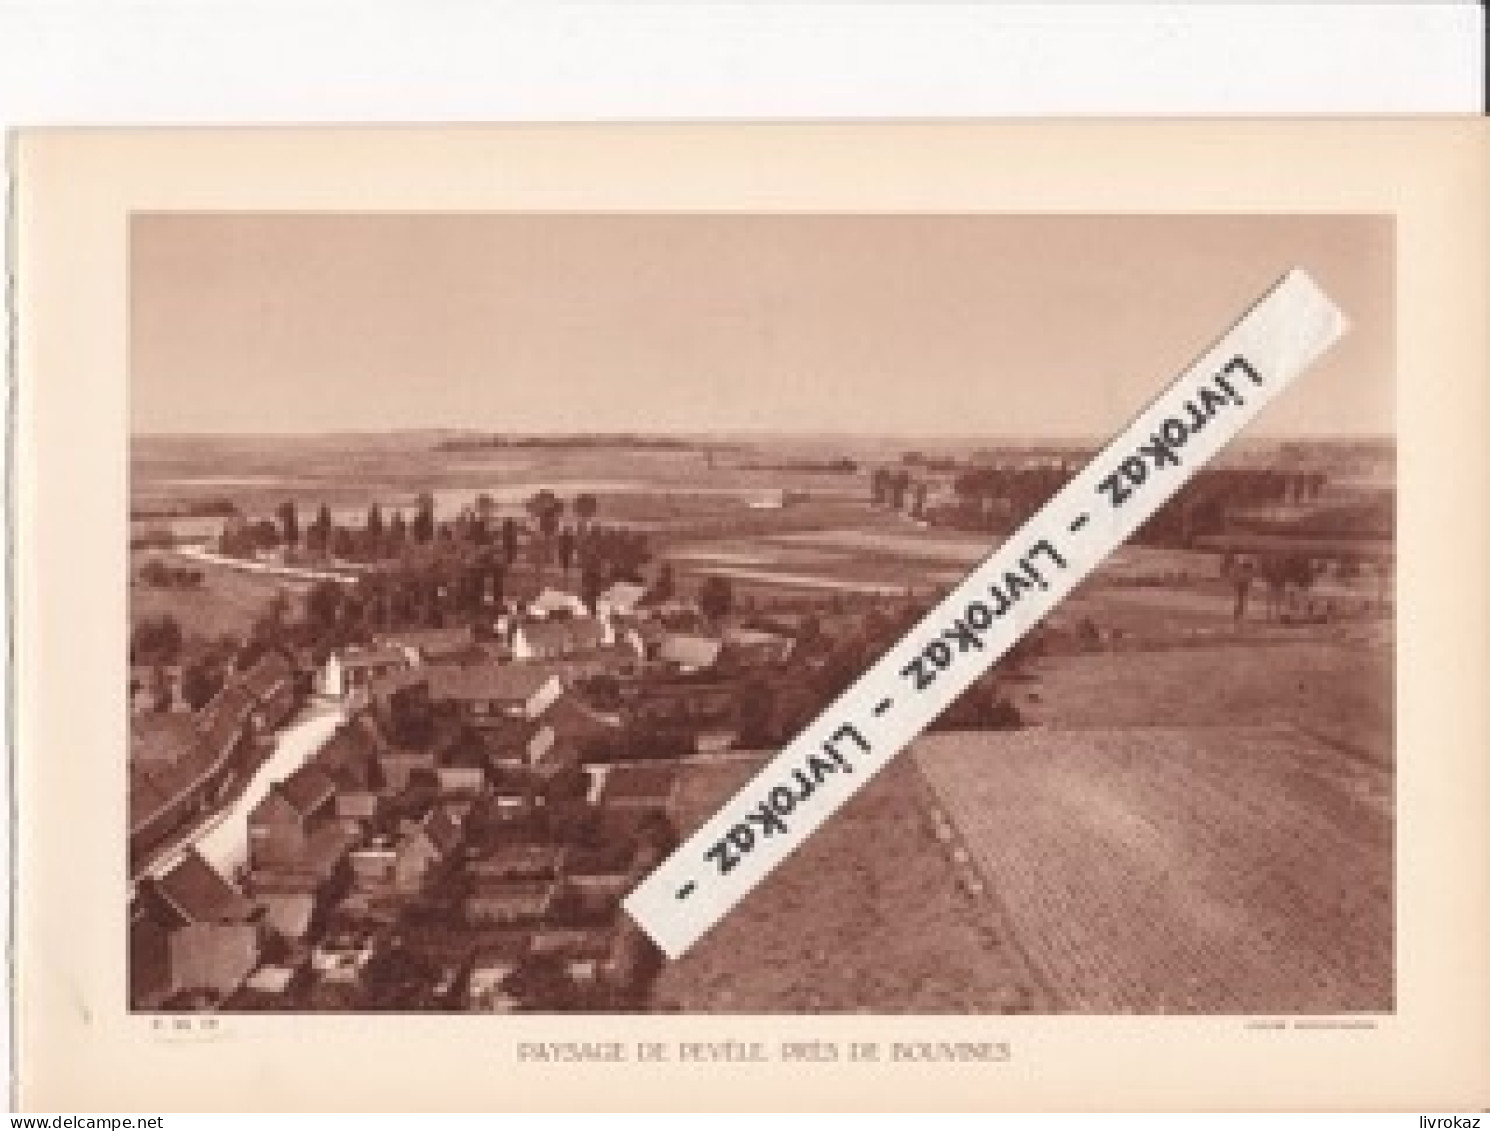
{"x":496,"y":778}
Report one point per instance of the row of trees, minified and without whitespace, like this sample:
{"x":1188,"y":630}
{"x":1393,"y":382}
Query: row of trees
{"x":380,"y":537}
{"x":995,"y":498}
{"x":898,"y":491}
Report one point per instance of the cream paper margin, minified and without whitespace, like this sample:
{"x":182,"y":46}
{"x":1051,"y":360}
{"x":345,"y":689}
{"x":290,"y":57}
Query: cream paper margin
{"x":78,"y":1047}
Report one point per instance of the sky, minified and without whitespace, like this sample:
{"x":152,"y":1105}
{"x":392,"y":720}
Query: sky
{"x":995,"y":325}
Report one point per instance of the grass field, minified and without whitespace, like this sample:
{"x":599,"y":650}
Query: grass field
{"x":1239,"y":869}
{"x":867,"y":916}
{"x":227,"y":601}
{"x":1337,"y":690}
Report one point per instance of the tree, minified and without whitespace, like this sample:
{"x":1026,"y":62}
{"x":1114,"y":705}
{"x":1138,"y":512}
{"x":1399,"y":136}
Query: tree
{"x":154,"y":572}
{"x":289,"y":523}
{"x":879,"y":486}
{"x":155,"y":640}
{"x":423,"y":528}
{"x":411,"y":716}
{"x":323,"y":604}
{"x":509,"y":540}
{"x":585,"y":506}
{"x":398,"y":531}
{"x":374,"y":525}
{"x":318,"y":534}
{"x":486,"y":508}
{"x":546,"y":509}
{"x":566,"y":549}
{"x":200,"y":681}
{"x":756,"y":712}
{"x":664,"y":587}
{"x":590,"y":583}
{"x":900,"y":482}
{"x":715,"y":597}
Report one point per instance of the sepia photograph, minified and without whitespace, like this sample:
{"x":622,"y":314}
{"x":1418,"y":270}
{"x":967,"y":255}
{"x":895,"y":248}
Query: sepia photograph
{"x":476,"y":558}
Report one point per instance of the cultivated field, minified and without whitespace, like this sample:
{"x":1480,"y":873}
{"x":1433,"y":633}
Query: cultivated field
{"x":868,"y":916}
{"x":1243,"y":869}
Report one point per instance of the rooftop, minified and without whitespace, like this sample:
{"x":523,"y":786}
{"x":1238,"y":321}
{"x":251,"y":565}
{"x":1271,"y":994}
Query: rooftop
{"x":307,"y":789}
{"x":197,"y":894}
{"x":688,"y":650}
{"x":504,"y":682}
{"x":652,"y":784}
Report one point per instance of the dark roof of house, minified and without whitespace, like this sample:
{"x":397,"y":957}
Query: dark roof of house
{"x":372,"y":658}
{"x":517,"y":859}
{"x":649,"y":630}
{"x":500,"y":887}
{"x":347,"y":755}
{"x":195,"y":893}
{"x":146,"y":798}
{"x":571,"y":717}
{"x":639,"y":783}
{"x":426,"y":640}
{"x":222,"y":720}
{"x":443,"y":831}
{"x":271,"y":672}
{"x":611,"y":859}
{"x":505,"y":682}
{"x":327,"y":845}
{"x":509,"y":735}
{"x":307,"y":789}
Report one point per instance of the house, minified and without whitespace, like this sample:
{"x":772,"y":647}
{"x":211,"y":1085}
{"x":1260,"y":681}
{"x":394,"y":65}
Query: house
{"x":513,"y":794}
{"x":281,"y":825}
{"x":771,"y":500}
{"x":343,"y":954}
{"x":715,"y":740}
{"x":688,"y":652}
{"x":491,"y":966}
{"x":173,"y":776}
{"x":638,"y":788}
{"x":518,"y":862}
{"x":350,"y":756}
{"x":555,"y":639}
{"x":351,"y":673}
{"x":502,"y":901}
{"x":552,"y":602}
{"x":621,"y":599}
{"x":356,"y":809}
{"x":749,"y":647}
{"x":152,"y":686}
{"x":487,"y":692}
{"x":288,"y":913}
{"x":574,"y":721}
{"x":431,"y":645}
{"x":401,"y":864}
{"x":511,"y":742}
{"x":192,"y":931}
{"x":642,"y":637}
{"x":226,"y":722}
{"x":271,"y":684}
{"x":461,"y":779}
{"x":607,"y":871}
